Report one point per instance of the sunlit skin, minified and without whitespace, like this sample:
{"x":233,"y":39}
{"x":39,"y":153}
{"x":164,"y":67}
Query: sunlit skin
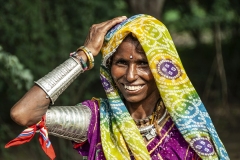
{"x":134,"y":80}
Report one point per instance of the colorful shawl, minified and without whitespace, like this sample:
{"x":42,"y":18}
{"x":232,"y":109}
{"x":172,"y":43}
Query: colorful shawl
{"x":119,"y":134}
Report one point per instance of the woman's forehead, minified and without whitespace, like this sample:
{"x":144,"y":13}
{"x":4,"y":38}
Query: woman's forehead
{"x":127,"y":50}
{"x":132,"y":43}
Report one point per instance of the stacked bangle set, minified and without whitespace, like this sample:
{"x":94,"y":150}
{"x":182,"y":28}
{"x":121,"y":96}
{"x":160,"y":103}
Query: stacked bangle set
{"x":89,"y":56}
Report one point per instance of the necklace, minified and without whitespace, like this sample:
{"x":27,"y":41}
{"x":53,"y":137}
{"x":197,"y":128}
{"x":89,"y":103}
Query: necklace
{"x":150,"y":131}
{"x":144,"y":120}
{"x":149,"y":119}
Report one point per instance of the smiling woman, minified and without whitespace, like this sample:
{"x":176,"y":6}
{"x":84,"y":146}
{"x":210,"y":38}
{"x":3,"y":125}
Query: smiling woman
{"x":134,"y":79}
{"x":152,"y":111}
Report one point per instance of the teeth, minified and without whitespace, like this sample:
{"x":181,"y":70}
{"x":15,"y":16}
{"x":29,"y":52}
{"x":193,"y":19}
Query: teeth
{"x":133,"y":88}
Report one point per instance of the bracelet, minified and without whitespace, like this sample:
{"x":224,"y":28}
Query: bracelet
{"x":69,"y":122}
{"x":82,"y":62}
{"x":84,"y":65}
{"x":88,"y":54}
{"x":55,"y":82}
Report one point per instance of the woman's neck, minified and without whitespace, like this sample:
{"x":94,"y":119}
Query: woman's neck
{"x":142,"y":109}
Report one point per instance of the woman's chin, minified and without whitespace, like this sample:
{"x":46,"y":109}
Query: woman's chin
{"x":133,"y":99}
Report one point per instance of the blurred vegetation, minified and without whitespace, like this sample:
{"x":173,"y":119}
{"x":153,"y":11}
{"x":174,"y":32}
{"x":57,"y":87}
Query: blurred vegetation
{"x":36,"y":36}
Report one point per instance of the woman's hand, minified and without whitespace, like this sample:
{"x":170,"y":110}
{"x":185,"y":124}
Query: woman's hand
{"x":97,"y":32}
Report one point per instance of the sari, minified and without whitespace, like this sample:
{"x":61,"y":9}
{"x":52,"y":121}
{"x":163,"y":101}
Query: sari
{"x":169,"y":143}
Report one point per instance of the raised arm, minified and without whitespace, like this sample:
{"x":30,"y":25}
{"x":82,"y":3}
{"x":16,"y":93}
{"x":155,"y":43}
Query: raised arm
{"x":34,"y":104}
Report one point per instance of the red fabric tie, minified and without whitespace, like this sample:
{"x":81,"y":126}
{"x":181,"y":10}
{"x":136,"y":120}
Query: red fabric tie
{"x":29,"y":133}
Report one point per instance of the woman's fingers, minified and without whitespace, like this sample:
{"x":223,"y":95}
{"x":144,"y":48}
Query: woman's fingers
{"x":97,"y":32}
{"x":105,"y":26}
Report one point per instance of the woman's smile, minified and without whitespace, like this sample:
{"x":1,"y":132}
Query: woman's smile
{"x":133,"y":88}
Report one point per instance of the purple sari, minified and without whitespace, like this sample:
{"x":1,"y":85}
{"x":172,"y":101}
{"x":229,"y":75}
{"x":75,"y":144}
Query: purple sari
{"x":168,"y":144}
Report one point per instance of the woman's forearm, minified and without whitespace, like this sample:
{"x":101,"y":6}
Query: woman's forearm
{"x":34,"y":104}
{"x":31,"y":107}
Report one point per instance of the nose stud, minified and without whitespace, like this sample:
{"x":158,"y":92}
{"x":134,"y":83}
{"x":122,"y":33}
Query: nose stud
{"x":131,"y":57}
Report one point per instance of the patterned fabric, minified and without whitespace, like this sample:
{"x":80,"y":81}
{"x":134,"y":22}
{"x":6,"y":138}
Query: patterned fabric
{"x":88,"y":149}
{"x":29,"y":133}
{"x":169,"y":143}
{"x":118,"y":131}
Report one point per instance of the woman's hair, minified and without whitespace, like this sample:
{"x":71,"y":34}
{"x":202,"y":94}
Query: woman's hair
{"x":132,"y":39}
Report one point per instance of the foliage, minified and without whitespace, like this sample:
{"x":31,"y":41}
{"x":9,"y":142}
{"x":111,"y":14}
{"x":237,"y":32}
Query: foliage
{"x":12,"y":71}
{"x":198,"y":20}
{"x":198,"y":16}
{"x":14,"y":80}
{"x":5,"y":133}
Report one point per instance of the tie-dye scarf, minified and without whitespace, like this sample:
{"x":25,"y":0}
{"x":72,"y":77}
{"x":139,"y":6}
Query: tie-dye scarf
{"x":119,"y":134}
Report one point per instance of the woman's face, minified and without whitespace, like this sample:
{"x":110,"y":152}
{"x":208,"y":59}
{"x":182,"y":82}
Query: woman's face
{"x":132,"y":75}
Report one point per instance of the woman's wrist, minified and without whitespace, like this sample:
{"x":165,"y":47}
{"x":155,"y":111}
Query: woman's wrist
{"x":55,"y":82}
{"x":81,"y":54}
{"x":84,"y":54}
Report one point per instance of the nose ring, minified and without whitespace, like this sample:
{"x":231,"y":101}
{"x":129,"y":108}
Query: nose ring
{"x":131,"y":56}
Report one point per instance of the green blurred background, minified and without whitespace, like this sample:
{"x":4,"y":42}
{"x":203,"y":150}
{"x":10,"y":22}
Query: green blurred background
{"x":37,"y":35}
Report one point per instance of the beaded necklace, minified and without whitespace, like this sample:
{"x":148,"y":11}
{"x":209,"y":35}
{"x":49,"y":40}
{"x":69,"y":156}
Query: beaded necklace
{"x":148,"y":130}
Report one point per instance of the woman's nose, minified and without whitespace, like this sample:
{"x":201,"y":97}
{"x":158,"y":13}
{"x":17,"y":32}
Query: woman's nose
{"x":131,"y":74}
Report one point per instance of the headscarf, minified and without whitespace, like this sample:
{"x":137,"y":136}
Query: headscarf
{"x":120,"y":136}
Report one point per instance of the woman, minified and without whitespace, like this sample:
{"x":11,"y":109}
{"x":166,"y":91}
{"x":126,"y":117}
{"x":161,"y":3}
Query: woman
{"x":152,"y":111}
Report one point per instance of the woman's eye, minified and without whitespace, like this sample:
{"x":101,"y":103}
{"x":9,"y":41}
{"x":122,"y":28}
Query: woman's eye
{"x":143,"y":64}
{"x":121,"y":62}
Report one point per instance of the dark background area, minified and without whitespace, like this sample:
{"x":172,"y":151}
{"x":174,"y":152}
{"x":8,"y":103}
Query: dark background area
{"x":36,"y":36}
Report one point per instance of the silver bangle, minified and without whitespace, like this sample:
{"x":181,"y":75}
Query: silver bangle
{"x":69,"y":122}
{"x":55,"y":82}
